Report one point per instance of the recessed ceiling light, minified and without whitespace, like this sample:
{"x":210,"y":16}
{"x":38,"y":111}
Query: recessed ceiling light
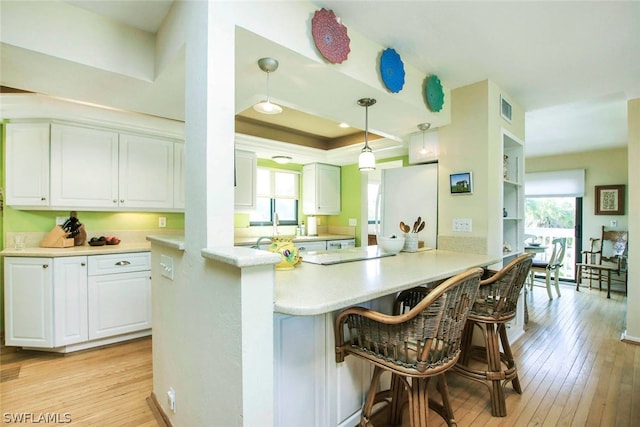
{"x":281,"y":159}
{"x":344,"y":125}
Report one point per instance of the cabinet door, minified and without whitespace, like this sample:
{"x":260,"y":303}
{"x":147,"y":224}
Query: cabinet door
{"x":28,"y":302}
{"x":245,"y":181}
{"x":119,"y":303}
{"x":321,"y":189}
{"x":27,"y":164}
{"x":178,"y":176}
{"x":145,"y":172}
{"x":84,"y":167}
{"x":70,"y":300}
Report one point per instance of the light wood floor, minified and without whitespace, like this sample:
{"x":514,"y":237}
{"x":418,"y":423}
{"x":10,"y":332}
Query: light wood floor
{"x":574,"y":371}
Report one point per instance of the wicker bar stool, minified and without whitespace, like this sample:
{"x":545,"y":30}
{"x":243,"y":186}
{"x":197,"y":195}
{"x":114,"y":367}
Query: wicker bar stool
{"x":414,"y":346}
{"x":495,"y":305}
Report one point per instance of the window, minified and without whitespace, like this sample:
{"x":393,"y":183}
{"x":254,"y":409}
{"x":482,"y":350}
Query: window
{"x":277,"y":192}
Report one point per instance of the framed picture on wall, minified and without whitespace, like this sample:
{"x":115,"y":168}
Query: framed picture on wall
{"x":609,"y":200}
{"x":460,"y":183}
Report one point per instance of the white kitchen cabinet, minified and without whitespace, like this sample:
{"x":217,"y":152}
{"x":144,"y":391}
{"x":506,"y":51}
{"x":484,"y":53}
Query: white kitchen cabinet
{"x":246,"y":169}
{"x":84,"y":167}
{"x":27,"y":164}
{"x":311,"y":389}
{"x":119,"y":294}
{"x":70,"y":321}
{"x":102,"y":169}
{"x":145,"y":172}
{"x":28,"y":302}
{"x":320,"y":189}
{"x":71,"y":303}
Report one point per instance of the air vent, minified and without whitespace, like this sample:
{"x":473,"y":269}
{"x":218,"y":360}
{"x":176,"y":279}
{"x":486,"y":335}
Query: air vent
{"x":505,"y":109}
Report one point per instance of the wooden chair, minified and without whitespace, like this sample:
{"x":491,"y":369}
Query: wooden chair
{"x":553,"y":265}
{"x":494,"y":307}
{"x":414,"y":346}
{"x":609,"y":258}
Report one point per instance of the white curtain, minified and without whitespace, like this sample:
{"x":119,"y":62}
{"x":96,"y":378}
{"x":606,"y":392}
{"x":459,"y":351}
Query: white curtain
{"x":564,"y":183}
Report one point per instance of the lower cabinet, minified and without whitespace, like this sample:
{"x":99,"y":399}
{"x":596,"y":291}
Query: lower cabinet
{"x":311,"y":389}
{"x":63,"y":304}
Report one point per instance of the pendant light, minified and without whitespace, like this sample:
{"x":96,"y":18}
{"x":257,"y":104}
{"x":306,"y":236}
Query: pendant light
{"x":268,"y":65}
{"x":423,"y":127}
{"x":367,"y":160}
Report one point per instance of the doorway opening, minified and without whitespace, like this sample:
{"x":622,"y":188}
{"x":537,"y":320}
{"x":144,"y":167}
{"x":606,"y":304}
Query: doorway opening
{"x":547,"y":218}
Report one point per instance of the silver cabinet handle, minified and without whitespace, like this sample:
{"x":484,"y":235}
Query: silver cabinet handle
{"x":115,"y":201}
{"x":121,"y":200}
{"x":119,"y":263}
{"x":45,"y":265}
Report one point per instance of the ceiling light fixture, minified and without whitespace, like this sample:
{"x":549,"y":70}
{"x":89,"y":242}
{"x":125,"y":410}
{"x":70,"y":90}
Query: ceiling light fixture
{"x":344,"y":125}
{"x":424,"y":127}
{"x":283,"y":160}
{"x":367,"y":160}
{"x":268,"y":65}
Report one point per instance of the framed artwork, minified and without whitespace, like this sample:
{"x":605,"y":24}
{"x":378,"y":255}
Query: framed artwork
{"x":609,"y":200}
{"x":461,"y":183}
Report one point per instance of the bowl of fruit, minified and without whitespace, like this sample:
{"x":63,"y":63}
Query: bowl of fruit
{"x":112,"y":240}
{"x":98,"y":241}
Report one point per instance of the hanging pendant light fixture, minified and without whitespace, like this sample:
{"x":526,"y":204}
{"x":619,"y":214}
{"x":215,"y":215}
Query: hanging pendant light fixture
{"x":424,"y":127}
{"x":268,"y":65}
{"x":367,"y":160}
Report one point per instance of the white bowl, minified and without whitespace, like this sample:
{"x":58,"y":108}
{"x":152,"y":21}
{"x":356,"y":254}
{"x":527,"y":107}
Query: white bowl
{"x":391,"y":244}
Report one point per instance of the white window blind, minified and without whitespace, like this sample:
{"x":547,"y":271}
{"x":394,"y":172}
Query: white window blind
{"x":278,"y":184}
{"x":564,"y":183}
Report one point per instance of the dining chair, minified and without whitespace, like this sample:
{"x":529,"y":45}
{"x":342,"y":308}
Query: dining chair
{"x":494,"y":307}
{"x":607,"y":255}
{"x":552,"y":265}
{"x":414,"y":346}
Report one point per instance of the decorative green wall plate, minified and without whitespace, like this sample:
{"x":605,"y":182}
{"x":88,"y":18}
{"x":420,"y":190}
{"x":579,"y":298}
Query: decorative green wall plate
{"x":434,"y":93}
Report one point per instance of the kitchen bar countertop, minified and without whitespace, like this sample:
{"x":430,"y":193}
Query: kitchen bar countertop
{"x":77,"y":250}
{"x":311,"y":289}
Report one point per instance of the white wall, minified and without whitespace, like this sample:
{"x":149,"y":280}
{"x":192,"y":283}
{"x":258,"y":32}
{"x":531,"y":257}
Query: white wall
{"x":633,"y":296}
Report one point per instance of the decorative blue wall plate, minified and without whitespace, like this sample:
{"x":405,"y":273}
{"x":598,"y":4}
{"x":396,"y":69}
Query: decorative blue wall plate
{"x":434,"y":93}
{"x":392,"y":70}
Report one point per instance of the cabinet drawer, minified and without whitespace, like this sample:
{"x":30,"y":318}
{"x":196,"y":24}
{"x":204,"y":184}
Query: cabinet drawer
{"x":119,"y":263}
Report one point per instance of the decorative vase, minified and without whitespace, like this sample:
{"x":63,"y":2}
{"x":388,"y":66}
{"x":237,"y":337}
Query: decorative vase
{"x":287,"y":250}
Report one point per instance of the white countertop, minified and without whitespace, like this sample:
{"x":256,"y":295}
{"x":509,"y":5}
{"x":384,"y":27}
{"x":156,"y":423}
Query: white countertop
{"x":78,"y":250}
{"x":311,"y":289}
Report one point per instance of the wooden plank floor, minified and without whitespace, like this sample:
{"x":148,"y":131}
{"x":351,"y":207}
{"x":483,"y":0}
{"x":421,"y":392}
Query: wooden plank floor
{"x":105,"y":387}
{"x":573,"y":368}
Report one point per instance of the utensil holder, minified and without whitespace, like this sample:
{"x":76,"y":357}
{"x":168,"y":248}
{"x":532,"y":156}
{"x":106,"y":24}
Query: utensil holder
{"x":410,"y":242}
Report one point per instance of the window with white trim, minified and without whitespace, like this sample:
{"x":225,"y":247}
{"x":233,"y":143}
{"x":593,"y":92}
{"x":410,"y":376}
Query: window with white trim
{"x":278,"y":192}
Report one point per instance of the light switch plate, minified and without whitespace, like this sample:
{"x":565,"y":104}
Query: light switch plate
{"x":353,"y":222}
{"x":166,"y":266}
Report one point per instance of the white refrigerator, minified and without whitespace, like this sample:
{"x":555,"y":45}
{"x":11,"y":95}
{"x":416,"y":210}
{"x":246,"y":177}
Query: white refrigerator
{"x":405,"y":194}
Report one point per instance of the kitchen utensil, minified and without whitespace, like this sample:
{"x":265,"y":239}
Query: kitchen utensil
{"x":404,"y":227}
{"x":417,"y":224}
{"x":421,"y":227}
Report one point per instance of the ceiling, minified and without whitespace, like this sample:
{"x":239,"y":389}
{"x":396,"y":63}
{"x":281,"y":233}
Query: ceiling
{"x":571,"y":65}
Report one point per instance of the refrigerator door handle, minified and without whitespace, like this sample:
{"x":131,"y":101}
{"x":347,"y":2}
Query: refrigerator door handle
{"x":378,"y":214}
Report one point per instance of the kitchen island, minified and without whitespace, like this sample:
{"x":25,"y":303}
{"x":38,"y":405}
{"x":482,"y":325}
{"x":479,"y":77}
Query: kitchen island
{"x":309,"y":387}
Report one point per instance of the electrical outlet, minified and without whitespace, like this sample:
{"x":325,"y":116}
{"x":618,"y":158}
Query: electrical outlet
{"x":462,"y":225}
{"x":353,"y":222}
{"x":162,"y":221}
{"x":613,"y":223}
{"x":166,"y":264}
{"x":171,"y":399}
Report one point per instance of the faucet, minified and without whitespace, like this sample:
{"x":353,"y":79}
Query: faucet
{"x":260,"y":240}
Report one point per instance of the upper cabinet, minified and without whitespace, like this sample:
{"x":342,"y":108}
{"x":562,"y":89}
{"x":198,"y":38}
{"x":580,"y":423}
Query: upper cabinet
{"x":27,"y":164}
{"x":246,"y":168}
{"x":320,"y":189}
{"x":512,"y":195}
{"x":87,"y":168}
{"x":84,"y":167}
